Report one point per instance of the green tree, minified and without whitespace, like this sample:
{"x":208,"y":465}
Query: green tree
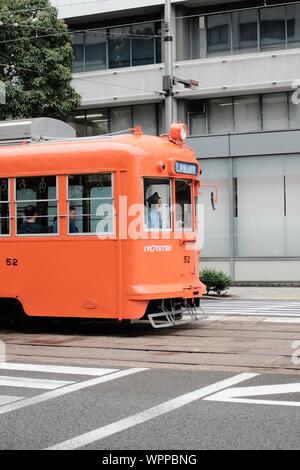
{"x":36,"y":59}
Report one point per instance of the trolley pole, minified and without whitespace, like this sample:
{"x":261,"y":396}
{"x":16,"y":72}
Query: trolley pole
{"x":168,"y":79}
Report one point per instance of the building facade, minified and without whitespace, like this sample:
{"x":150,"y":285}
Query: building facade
{"x":244,"y":118}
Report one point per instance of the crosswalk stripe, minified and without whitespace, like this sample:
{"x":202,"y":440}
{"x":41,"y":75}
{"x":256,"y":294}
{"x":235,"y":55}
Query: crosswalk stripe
{"x":282,"y":320}
{"x":258,"y":307}
{"x":257,"y":313}
{"x":252,"y":308}
{"x":255,"y":307}
{"x":27,"y":382}
{"x":57,"y":369}
{"x":5,"y":399}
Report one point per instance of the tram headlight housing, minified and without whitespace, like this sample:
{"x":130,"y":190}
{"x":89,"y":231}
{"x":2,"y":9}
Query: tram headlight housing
{"x":178,"y":132}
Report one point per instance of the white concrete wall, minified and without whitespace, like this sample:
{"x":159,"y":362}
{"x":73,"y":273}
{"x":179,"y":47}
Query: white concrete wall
{"x":258,"y":72}
{"x":218,"y":265}
{"x":121,"y":86}
{"x":79,"y":8}
{"x":276,"y":271}
{"x":258,"y":270}
{"x":248,"y":73}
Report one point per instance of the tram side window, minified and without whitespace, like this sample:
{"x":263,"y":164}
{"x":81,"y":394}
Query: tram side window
{"x":157,"y":200}
{"x":4,"y":207}
{"x":36,"y":200}
{"x":91,"y":204}
{"x":184,"y":211}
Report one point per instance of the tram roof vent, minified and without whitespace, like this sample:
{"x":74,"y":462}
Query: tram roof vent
{"x":32,"y":130}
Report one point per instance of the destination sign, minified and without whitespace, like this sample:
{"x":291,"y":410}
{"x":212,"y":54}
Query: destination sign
{"x":185,"y":168}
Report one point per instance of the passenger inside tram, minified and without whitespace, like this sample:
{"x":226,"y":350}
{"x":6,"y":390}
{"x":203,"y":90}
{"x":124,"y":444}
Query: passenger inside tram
{"x":72,"y":221}
{"x":30,"y":224}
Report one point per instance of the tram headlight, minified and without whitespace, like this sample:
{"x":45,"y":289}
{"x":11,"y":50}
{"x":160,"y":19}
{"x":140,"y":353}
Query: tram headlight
{"x":178,"y":132}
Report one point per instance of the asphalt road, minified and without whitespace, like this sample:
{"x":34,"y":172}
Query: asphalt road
{"x":101,"y":408}
{"x":231,"y":381}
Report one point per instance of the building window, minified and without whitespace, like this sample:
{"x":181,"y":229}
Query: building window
{"x":267,"y":191}
{"x":91,"y":204}
{"x":292,"y":197}
{"x":218,"y":34}
{"x":97,"y":122}
{"x":4,"y":207}
{"x":272,"y":28}
{"x":143,"y":44}
{"x":145,"y":115}
{"x":78,"y":52}
{"x":265,"y":207}
{"x":220,"y":116}
{"x":36,"y":205}
{"x":247,"y":113}
{"x":95,"y":50}
{"x":104,"y":121}
{"x":125,"y":46}
{"x":294,"y":112}
{"x":197,"y":123}
{"x":216,"y":223}
{"x":275,"y":111}
{"x":245,"y":31}
{"x":119,"y":47}
{"x":293,"y":25}
{"x":250,"y":113}
{"x":121,"y":118}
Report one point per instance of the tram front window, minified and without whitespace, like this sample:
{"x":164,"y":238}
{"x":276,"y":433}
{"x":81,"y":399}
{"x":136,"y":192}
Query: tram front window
{"x":184,"y":219}
{"x":91,"y":204}
{"x":36,"y":205}
{"x":157,"y":200}
{"x":4,"y":207}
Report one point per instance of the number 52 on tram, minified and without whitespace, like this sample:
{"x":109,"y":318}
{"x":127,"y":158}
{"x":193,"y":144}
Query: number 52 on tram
{"x":101,"y":228}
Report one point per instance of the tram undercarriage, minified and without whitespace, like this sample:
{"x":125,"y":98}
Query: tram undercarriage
{"x":173,"y":312}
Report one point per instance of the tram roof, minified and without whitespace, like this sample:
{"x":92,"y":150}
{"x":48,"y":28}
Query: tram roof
{"x":67,"y":155}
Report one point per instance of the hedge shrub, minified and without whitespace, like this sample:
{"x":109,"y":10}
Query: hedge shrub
{"x":216,"y":281}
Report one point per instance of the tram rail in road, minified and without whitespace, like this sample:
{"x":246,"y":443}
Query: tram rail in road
{"x":255,"y":341}
{"x":87,"y":384}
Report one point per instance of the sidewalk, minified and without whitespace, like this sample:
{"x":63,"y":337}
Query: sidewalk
{"x":264,"y":293}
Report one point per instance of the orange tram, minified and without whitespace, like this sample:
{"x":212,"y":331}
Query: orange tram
{"x":101,"y":228}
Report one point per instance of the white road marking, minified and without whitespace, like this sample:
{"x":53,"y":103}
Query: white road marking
{"x":234,"y":395}
{"x":56,"y":369}
{"x":256,"y":313}
{"x":282,"y":320}
{"x":27,"y":382}
{"x":4,"y":399}
{"x":149,"y":414}
{"x":59,"y":392}
{"x":237,"y":309}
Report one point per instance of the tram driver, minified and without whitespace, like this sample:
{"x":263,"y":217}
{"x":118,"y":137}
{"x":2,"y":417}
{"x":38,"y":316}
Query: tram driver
{"x":30,"y":225}
{"x":154,"y":217}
